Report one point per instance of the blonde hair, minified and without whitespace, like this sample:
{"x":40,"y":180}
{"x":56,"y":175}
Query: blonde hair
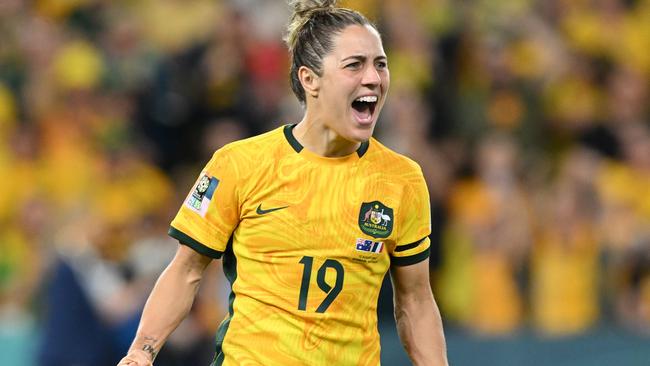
{"x":309,"y":35}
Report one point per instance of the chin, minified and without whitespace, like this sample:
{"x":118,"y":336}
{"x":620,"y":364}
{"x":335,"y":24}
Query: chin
{"x":362,"y":133}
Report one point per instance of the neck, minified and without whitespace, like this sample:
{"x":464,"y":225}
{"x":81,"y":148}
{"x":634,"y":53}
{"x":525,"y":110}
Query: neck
{"x":317,"y":137}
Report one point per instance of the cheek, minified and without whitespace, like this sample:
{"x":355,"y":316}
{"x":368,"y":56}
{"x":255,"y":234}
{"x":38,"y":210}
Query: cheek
{"x":339,"y":101}
{"x":385,"y":80}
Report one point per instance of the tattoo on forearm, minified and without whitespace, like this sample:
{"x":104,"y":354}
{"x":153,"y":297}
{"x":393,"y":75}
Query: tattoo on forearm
{"x":148,"y":347}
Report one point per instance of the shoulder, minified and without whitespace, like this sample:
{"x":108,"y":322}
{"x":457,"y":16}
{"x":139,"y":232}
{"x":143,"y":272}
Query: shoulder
{"x":391,"y":162}
{"x":253,"y":151}
{"x":255,"y":144}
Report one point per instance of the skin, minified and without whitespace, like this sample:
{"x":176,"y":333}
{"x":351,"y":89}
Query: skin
{"x":355,"y":67}
{"x":168,"y":304}
{"x":417,"y":317}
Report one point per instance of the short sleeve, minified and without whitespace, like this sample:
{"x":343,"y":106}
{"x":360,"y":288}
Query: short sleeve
{"x":414,"y":222}
{"x":210,"y":211}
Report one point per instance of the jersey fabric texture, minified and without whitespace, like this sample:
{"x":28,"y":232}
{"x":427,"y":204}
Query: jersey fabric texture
{"x":306,"y":241}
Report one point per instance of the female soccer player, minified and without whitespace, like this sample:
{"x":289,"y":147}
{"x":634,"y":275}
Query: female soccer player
{"x":308,"y":218}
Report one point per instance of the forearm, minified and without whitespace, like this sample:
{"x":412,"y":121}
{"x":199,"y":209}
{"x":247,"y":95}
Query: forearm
{"x":170,"y":301}
{"x":419,"y":326}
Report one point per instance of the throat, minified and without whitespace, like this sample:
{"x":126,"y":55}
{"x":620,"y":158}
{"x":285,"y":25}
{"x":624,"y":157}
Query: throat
{"x":323,"y":141}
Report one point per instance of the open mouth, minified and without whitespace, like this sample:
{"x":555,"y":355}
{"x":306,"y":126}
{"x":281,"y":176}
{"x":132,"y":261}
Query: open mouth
{"x":364,"y":108}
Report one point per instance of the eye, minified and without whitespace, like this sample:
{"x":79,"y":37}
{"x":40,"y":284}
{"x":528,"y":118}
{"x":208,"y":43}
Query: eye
{"x":382,"y":65}
{"x":353,"y":65}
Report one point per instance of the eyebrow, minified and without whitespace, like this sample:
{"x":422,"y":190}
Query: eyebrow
{"x":363,"y":58}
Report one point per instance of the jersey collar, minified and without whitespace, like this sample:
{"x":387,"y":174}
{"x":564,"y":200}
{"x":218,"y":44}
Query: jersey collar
{"x":288,"y":133}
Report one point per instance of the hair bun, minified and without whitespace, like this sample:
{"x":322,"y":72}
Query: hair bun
{"x":302,"y":12}
{"x":305,"y":6}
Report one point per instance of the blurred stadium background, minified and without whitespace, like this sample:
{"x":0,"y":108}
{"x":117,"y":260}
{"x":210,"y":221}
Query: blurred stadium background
{"x":530,"y":119}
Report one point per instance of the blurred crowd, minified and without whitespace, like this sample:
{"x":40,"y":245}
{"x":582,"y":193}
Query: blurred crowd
{"x":530,"y":119}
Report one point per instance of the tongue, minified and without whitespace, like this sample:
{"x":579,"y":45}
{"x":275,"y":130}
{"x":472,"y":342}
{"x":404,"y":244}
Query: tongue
{"x":361,"y":111}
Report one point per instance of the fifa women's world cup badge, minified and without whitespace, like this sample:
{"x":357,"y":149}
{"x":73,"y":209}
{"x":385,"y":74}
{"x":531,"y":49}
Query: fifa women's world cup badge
{"x":376,"y":219}
{"x":200,"y":198}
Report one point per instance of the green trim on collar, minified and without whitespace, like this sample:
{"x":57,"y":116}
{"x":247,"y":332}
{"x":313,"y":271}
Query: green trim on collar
{"x":288,"y":133}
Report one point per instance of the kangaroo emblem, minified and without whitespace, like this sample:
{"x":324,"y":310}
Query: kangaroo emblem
{"x":376,"y":219}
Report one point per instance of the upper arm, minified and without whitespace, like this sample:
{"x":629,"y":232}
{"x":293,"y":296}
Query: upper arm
{"x":190,"y":262}
{"x":414,"y":222}
{"x":411,"y":281}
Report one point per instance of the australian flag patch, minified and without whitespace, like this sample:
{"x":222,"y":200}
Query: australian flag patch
{"x":365,"y":245}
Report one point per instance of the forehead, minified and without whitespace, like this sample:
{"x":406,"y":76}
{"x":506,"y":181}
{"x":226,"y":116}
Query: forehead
{"x":357,"y":40}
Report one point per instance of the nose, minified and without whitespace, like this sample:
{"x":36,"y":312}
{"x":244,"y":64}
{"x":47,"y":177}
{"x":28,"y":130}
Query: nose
{"x":371,"y":77}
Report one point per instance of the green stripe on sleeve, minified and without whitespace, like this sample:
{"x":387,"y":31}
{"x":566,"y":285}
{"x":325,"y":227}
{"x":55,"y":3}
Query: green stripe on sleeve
{"x":187,"y":240}
{"x":407,"y":261}
{"x":405,"y":247}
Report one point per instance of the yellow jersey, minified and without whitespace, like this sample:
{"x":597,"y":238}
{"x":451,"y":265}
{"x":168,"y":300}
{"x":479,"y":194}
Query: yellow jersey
{"x":306,"y":241}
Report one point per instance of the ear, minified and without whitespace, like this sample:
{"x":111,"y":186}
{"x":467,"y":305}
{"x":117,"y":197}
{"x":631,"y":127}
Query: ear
{"x":309,"y":80}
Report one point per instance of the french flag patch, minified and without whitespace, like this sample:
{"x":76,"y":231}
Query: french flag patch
{"x":364,"y":245}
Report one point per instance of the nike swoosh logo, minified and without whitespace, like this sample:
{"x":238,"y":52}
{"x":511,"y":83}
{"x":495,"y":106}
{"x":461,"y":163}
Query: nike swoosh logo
{"x":261,"y":211}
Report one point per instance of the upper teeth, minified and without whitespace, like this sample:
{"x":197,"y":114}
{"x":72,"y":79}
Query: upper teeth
{"x":369,"y":98}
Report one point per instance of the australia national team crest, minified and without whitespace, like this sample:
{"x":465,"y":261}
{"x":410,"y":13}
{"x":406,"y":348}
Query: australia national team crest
{"x":202,"y":194}
{"x":376,"y":219}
